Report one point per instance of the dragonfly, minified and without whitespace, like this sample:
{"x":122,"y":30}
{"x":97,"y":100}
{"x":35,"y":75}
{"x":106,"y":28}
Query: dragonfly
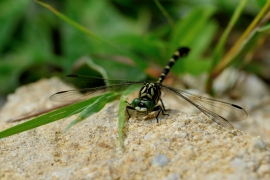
{"x":150,"y":95}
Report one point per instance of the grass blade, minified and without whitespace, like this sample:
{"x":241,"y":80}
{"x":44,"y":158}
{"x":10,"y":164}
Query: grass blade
{"x":122,"y":114}
{"x":47,"y":118}
{"x":238,"y":46}
{"x":165,"y":13}
{"x":218,"y":51}
{"x":121,"y":121}
{"x":77,"y":26}
{"x":93,"y":108}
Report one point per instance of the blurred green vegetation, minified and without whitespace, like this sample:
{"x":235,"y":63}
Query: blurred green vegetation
{"x":130,"y":36}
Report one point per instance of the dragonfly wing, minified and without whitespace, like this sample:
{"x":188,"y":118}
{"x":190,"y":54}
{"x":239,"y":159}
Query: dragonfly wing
{"x":217,"y":118}
{"x":86,"y":93}
{"x":90,"y":81}
{"x":219,"y":111}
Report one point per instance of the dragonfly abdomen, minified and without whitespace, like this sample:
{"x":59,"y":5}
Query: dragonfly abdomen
{"x":181,"y":52}
{"x":152,"y":91}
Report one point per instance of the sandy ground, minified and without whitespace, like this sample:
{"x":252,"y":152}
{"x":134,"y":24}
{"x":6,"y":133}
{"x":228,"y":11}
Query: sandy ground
{"x":181,"y":146}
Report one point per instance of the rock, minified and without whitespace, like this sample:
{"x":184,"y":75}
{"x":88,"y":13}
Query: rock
{"x":180,"y":146}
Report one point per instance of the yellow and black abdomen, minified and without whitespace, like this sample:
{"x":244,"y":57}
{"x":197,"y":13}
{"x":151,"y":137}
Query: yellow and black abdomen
{"x":181,"y":52}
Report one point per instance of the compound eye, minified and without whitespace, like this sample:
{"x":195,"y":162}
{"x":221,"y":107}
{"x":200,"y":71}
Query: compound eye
{"x":149,"y":105}
{"x":136,"y":102}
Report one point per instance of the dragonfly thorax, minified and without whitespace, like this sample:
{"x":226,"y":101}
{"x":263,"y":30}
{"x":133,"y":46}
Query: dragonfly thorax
{"x":150,"y":91}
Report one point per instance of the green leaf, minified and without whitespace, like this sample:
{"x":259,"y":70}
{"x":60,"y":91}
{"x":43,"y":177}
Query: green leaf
{"x":117,"y":70}
{"x":187,"y":30}
{"x":86,"y":66}
{"x":196,"y":31}
{"x":147,"y":45}
{"x":88,"y":13}
{"x":10,"y":13}
{"x":197,"y":66}
{"x":193,"y":63}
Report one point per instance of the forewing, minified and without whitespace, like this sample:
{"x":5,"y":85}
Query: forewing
{"x":86,"y":93}
{"x":82,"y":81}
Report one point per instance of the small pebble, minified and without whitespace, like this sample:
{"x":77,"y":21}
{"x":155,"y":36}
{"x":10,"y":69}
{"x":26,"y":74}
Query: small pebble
{"x":238,"y":163}
{"x":263,"y":169}
{"x":252,"y":165}
{"x":259,"y":144}
{"x":160,"y":160}
{"x":173,"y":176}
{"x":13,"y":154}
{"x":189,"y":153}
{"x":197,"y":138}
{"x":148,"y":135}
{"x":182,"y":124}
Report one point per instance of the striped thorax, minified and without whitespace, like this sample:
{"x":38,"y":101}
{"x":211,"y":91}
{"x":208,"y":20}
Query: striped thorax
{"x":150,"y":91}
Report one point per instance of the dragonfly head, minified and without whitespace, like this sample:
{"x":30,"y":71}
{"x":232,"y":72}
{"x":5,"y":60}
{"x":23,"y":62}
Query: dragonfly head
{"x":143,"y":105}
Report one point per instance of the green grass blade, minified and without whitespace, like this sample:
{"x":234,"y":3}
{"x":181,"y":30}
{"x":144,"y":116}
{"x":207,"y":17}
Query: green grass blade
{"x":93,"y":108}
{"x":264,"y":28}
{"x":191,"y":27}
{"x":165,"y":13}
{"x":116,"y":47}
{"x":218,"y":51}
{"x":47,"y":118}
{"x":237,"y":47}
{"x":77,"y":26}
{"x":66,"y":19}
{"x":121,"y":120}
{"x":253,"y":42}
{"x":122,"y":114}
{"x":228,"y":58}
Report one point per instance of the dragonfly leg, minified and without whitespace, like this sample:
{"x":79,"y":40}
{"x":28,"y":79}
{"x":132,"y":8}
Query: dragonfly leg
{"x":127,"y":108}
{"x":163,"y":107}
{"x":128,"y":103}
{"x":159,"y":109}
